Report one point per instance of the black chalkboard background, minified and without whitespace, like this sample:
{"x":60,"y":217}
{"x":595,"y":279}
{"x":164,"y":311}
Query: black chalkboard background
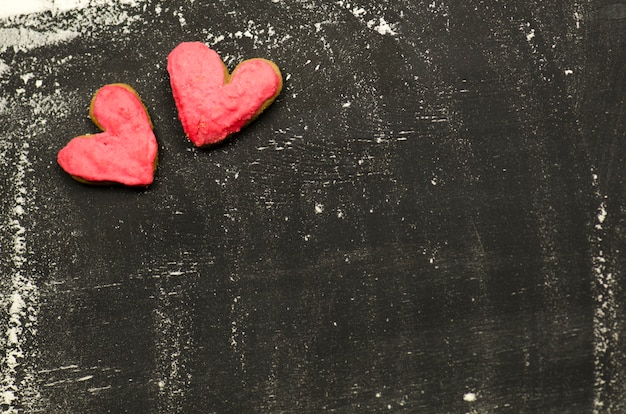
{"x":429,"y":219}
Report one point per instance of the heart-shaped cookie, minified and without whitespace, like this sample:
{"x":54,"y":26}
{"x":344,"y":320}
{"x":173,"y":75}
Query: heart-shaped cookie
{"x":213,"y":104}
{"x":125,"y":152}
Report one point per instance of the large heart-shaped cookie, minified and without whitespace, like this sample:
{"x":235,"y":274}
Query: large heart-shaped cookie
{"x":213,"y":104}
{"x":125,"y":153}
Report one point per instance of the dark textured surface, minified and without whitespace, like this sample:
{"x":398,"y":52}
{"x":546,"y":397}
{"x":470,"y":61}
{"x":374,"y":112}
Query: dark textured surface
{"x":430,"y":218}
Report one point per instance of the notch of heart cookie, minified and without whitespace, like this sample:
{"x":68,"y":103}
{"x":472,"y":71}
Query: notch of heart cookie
{"x":125,"y":152}
{"x":212,"y":103}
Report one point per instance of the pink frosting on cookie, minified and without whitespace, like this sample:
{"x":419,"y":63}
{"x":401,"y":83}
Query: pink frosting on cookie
{"x":125,"y":153}
{"x":213,"y":104}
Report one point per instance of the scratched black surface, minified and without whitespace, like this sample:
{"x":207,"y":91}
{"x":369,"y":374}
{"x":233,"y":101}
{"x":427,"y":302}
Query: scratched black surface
{"x":411,"y":227}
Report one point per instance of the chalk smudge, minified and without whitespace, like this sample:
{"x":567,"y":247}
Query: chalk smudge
{"x":21,"y":38}
{"x":171,"y":315}
{"x":16,"y":8}
{"x":606,"y":321}
{"x":377,"y":23}
{"x":16,"y":383}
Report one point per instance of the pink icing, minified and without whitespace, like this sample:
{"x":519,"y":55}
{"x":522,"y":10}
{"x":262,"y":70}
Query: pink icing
{"x":211,"y":104}
{"x":125,"y":152}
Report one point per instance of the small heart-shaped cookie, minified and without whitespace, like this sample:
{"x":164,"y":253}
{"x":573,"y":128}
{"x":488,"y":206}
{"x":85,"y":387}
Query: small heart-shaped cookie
{"x":125,"y":152}
{"x":213,"y":104}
